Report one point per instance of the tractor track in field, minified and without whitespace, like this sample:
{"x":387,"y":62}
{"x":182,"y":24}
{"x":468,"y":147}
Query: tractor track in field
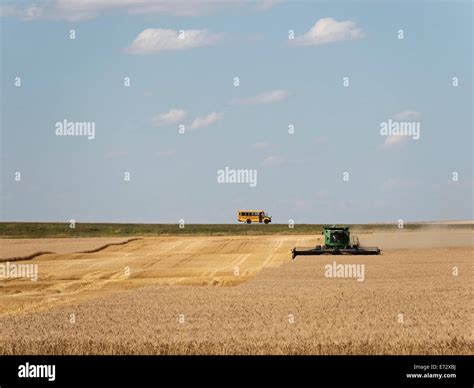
{"x":40,"y":253}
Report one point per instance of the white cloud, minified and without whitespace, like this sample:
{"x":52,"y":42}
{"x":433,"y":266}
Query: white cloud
{"x":261,"y":145}
{"x":328,"y":30}
{"x":205,"y":121}
{"x":174,"y":116}
{"x":31,"y":12}
{"x":79,"y":10}
{"x":264,"y":98}
{"x":394,"y":141}
{"x":407,"y":115}
{"x":155,"y":40}
{"x":273,"y":161}
{"x":70,"y":10}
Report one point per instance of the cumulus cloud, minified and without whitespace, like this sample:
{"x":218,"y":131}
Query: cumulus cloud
{"x":80,"y":10}
{"x":173,"y":116}
{"x":328,"y":30}
{"x":394,"y":141}
{"x":70,"y":10}
{"x":400,"y":139}
{"x":156,"y":40}
{"x":264,"y":98}
{"x":205,"y":121}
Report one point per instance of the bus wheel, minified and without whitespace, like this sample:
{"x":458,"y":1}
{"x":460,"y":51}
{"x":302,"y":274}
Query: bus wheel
{"x":249,"y":222}
{"x":266,"y":221}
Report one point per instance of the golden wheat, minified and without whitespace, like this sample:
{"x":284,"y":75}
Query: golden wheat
{"x":410,"y":301}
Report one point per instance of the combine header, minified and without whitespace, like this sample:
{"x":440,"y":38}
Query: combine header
{"x":337,"y":241}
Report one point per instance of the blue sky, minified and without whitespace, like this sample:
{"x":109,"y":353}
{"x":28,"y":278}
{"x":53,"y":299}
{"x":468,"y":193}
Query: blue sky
{"x":191,"y":82}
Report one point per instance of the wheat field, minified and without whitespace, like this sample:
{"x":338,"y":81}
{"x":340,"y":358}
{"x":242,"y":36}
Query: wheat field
{"x":244,"y":295}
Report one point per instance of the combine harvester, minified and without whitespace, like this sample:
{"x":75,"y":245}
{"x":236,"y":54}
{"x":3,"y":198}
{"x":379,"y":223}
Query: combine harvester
{"x":337,"y":241}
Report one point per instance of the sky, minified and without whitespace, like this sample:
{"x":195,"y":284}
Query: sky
{"x":293,"y":94}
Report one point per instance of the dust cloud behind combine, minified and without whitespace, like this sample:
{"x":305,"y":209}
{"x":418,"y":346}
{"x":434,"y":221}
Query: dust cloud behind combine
{"x":427,"y":238}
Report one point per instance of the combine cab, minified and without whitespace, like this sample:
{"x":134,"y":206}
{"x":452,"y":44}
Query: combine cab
{"x":337,"y":241}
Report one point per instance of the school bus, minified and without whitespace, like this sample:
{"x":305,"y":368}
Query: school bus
{"x":249,"y":216}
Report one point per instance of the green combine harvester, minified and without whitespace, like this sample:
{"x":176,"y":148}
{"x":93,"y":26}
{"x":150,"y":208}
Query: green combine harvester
{"x":337,"y":241}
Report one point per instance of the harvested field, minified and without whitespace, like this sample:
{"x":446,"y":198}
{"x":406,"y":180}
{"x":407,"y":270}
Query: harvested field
{"x":244,"y":295}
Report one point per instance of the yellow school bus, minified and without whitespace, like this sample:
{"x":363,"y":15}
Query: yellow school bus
{"x":249,"y":216}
